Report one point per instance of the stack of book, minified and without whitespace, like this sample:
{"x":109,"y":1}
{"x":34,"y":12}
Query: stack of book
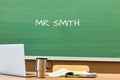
{"x":67,"y":73}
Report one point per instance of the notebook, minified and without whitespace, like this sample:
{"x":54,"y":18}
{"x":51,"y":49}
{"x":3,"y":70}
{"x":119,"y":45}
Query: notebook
{"x":68,"y":73}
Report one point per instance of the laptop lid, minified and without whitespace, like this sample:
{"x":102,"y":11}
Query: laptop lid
{"x":12,"y":59}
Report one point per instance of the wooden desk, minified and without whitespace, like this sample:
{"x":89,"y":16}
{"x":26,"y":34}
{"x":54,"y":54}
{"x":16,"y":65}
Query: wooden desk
{"x":99,"y":77}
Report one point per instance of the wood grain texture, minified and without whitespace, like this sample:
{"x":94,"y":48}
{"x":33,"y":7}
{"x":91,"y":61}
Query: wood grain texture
{"x":99,"y":77}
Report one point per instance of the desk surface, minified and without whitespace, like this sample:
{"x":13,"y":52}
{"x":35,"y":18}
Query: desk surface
{"x":99,"y":77}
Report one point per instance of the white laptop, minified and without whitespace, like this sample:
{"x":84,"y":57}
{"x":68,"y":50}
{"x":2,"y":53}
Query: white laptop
{"x":12,"y":60}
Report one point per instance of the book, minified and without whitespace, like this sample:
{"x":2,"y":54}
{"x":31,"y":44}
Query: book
{"x":68,"y":73}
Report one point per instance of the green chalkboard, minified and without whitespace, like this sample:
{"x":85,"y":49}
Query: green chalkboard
{"x":79,"y":28}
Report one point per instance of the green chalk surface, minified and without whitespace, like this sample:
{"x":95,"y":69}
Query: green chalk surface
{"x":97,"y":36}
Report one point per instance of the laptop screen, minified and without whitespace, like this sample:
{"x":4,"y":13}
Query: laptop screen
{"x":12,"y":59}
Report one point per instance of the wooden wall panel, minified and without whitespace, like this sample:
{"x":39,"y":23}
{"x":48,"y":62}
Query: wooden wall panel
{"x":95,"y":66}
